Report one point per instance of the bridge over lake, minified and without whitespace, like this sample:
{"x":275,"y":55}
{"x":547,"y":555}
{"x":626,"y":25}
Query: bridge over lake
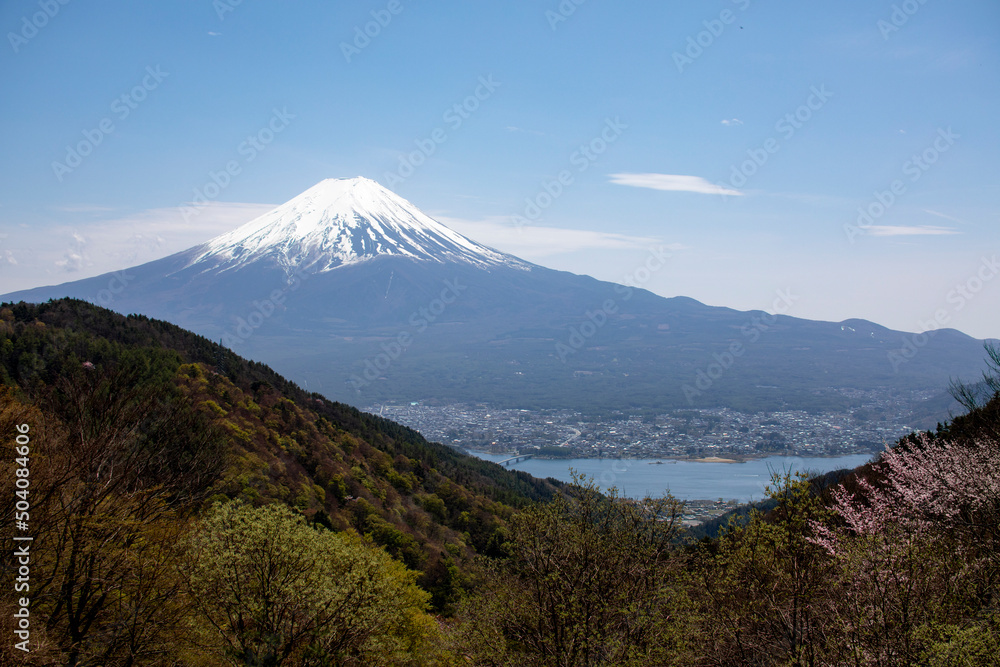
{"x":519,"y":457}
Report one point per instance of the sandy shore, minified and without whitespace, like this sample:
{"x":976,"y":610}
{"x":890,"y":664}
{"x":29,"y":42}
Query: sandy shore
{"x":715,"y":459}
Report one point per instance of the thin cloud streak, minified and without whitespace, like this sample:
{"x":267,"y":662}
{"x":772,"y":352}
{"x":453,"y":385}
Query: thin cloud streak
{"x":902,"y":230}
{"x":673,"y":183}
{"x":942,"y":215}
{"x":533,"y":243}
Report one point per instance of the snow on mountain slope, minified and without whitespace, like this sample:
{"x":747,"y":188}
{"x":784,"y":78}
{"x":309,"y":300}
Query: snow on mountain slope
{"x":343,"y":221}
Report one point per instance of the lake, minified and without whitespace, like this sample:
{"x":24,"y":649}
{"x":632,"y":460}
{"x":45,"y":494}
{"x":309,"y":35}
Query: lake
{"x":686,"y":480}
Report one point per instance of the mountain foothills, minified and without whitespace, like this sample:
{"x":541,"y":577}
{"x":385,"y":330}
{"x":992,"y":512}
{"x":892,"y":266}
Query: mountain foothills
{"x":188,"y":507}
{"x":136,"y":424}
{"x":353,"y":292}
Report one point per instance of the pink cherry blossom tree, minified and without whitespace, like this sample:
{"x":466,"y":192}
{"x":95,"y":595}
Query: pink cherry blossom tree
{"x":915,"y":546}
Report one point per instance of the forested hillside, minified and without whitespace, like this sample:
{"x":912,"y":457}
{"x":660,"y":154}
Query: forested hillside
{"x":187,"y":507}
{"x":138,"y":427}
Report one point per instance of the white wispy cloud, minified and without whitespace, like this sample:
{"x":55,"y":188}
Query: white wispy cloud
{"x":534,"y":242}
{"x":673,"y":183}
{"x":732,"y":121}
{"x":903,"y":230}
{"x":79,"y":249}
{"x":942,"y":215}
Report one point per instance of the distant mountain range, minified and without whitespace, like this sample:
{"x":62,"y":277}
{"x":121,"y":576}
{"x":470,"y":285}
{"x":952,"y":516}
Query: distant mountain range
{"x":353,"y":292}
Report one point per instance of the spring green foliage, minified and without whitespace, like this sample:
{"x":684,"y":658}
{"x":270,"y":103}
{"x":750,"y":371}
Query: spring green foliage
{"x":275,"y":591}
{"x":977,"y":645}
{"x":588,"y":581}
{"x":336,"y":465}
{"x":765,"y":583}
{"x":107,"y":490}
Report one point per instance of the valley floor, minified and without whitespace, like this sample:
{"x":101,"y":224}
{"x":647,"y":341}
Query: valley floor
{"x":688,"y":434}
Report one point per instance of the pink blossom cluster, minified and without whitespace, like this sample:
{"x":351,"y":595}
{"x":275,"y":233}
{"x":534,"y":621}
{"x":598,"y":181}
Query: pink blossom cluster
{"x":926,"y":485}
{"x":926,"y":530}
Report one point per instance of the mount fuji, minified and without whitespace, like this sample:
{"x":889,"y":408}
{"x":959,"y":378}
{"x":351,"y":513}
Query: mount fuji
{"x":353,"y":292}
{"x":340,"y":222}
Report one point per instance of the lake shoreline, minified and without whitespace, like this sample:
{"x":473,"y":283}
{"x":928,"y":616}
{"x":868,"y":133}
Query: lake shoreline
{"x":686,"y":479}
{"x":666,"y":459}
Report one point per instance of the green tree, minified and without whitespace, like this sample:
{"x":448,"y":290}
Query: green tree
{"x":107,"y":490}
{"x":276,"y":591}
{"x":950,"y":646}
{"x":589,"y":581}
{"x":764,"y":584}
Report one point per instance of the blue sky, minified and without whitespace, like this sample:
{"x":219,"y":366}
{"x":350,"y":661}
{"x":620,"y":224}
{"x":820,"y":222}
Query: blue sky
{"x":742,"y":137}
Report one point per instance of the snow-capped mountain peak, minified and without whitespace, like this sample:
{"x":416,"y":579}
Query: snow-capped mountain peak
{"x":344,"y":221}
